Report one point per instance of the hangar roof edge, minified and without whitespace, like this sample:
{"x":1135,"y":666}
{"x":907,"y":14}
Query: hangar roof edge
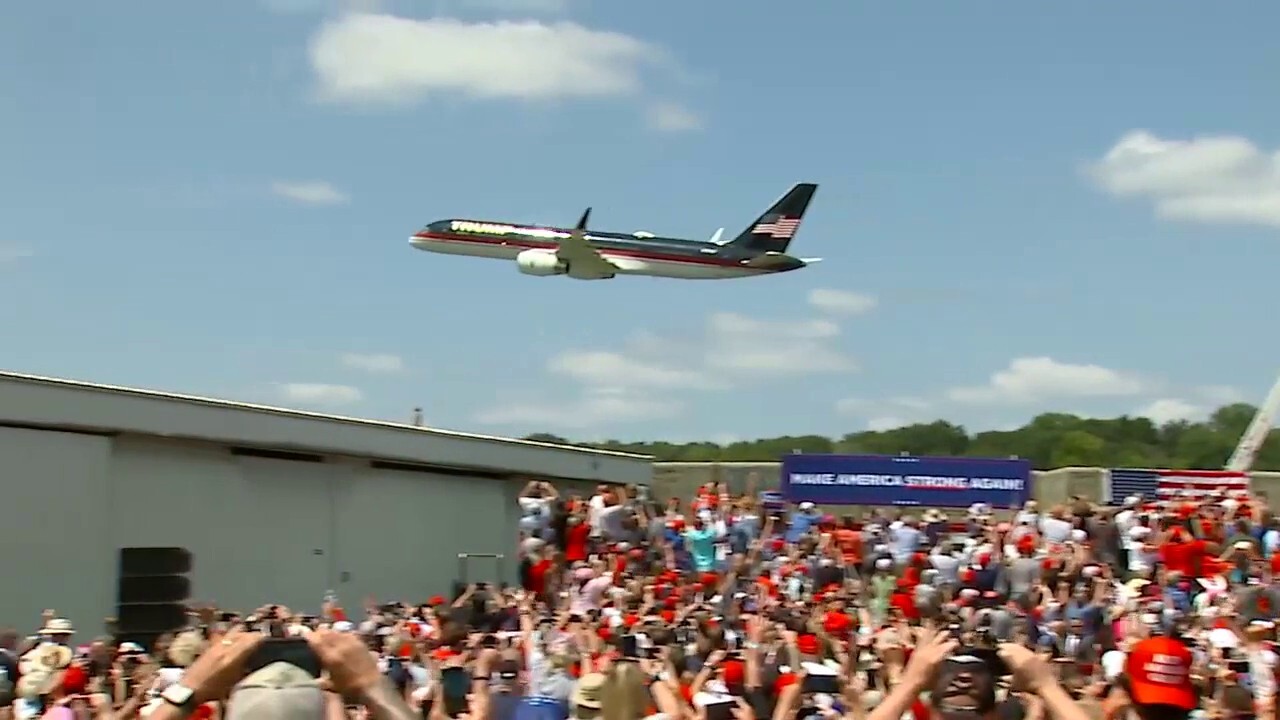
{"x":303,"y":414}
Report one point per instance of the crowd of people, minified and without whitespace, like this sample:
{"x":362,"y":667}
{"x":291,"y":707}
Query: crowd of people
{"x":724,"y":607}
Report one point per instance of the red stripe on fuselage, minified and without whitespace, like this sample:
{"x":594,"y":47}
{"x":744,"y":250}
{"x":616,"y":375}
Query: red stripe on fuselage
{"x":528,"y":244}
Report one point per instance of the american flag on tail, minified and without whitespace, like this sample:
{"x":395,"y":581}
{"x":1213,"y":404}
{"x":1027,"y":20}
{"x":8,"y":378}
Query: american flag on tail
{"x":1174,"y":485}
{"x":777,"y":226}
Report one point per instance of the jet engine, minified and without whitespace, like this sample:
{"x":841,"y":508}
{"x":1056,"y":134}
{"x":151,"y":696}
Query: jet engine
{"x":541,"y":263}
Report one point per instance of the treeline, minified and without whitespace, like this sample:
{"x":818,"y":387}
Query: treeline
{"x":1050,"y":440}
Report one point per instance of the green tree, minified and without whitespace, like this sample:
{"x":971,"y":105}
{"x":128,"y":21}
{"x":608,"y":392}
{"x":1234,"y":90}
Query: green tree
{"x":1048,"y":440}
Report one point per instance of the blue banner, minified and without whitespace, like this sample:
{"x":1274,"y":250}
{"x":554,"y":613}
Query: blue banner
{"x":905,"y":480}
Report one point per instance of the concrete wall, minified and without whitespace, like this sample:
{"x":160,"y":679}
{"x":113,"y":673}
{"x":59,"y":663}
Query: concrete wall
{"x":260,"y":529}
{"x":1049,"y":486}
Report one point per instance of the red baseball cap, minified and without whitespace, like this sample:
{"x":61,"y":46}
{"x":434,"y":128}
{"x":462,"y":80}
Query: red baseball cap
{"x":1159,"y":671}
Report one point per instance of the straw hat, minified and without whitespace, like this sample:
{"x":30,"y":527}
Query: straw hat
{"x":186,"y":648}
{"x":589,"y":691}
{"x":58,"y":626}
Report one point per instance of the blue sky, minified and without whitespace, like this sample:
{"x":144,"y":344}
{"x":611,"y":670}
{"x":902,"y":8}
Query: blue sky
{"x":1023,"y":207}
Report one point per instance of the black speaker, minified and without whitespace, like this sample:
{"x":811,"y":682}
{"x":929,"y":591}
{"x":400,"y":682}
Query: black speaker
{"x":151,"y":593}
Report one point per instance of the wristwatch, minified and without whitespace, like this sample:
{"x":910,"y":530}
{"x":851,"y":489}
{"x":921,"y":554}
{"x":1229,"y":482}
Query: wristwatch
{"x":180,"y":696}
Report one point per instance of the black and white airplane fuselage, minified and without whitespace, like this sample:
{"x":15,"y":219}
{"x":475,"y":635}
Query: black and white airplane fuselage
{"x":589,"y":255}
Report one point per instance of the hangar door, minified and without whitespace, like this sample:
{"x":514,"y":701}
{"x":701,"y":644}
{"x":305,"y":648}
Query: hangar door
{"x":400,"y":531}
{"x":287,"y":544}
{"x":55,"y":514}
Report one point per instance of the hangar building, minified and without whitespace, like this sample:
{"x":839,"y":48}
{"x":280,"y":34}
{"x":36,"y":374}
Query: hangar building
{"x":274,"y":505}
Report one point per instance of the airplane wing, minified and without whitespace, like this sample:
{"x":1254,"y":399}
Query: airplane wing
{"x":583,"y":260}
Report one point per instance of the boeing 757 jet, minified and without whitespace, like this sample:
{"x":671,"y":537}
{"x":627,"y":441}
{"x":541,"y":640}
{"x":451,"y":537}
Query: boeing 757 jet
{"x":585,"y":254}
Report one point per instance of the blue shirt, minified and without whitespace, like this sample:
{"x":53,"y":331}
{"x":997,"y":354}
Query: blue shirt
{"x":801,"y":523}
{"x":702,"y":545}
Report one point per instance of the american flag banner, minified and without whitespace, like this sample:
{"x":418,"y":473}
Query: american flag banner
{"x":777,"y":226}
{"x":1174,"y":485}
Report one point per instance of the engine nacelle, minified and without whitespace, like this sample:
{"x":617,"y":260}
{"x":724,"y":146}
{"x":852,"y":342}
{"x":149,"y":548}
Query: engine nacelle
{"x":541,"y":263}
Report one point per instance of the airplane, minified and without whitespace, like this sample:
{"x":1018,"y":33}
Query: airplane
{"x":760,"y":249}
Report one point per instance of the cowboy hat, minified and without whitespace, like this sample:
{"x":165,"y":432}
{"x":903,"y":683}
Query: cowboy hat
{"x":587,"y":693}
{"x":186,"y":648}
{"x":58,"y":626}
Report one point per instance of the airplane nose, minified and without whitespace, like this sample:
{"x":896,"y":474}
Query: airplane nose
{"x":418,"y":242}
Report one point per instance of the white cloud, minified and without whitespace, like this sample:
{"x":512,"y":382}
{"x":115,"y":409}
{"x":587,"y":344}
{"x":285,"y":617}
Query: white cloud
{"x":887,"y":414}
{"x":611,"y":369}
{"x":382,"y":363}
{"x":380,"y":58}
{"x":1219,"y":178}
{"x":596,"y":408}
{"x":313,"y":192}
{"x":672,"y":117}
{"x":912,"y":403}
{"x":853,"y":406}
{"x":1220,"y":394}
{"x":893,"y":406}
{"x":539,"y":7}
{"x":320,"y":394}
{"x":841,"y":302}
{"x":1030,"y":379}
{"x":13,"y":253}
{"x":886,"y":422}
{"x":744,"y":344}
{"x":1171,"y":409}
{"x":651,"y":376}
{"x":295,"y":7}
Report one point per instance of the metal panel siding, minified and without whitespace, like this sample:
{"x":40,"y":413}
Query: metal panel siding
{"x":63,"y":404}
{"x":400,"y":532}
{"x":287,"y":530}
{"x":251,"y":524}
{"x":53,"y":512}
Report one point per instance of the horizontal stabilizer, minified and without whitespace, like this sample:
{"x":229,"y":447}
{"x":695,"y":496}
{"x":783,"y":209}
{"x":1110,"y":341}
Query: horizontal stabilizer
{"x":774,"y":261}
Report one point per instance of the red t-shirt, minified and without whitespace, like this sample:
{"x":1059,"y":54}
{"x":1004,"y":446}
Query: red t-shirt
{"x":850,"y":544}
{"x":575,"y":542}
{"x":905,"y":604}
{"x":538,"y":577}
{"x":1186,"y":557}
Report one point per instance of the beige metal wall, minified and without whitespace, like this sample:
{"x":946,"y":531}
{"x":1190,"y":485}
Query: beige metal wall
{"x":1048,"y":486}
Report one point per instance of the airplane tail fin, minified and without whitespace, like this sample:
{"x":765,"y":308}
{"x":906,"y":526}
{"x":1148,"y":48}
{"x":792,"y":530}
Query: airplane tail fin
{"x":773,"y":231}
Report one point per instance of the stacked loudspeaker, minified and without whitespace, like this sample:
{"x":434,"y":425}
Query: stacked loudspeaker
{"x":152,"y":593}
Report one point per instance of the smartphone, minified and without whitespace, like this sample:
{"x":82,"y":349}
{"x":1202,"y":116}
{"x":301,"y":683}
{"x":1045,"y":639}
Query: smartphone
{"x":456,"y":682}
{"x":989,"y":657}
{"x":720,"y":710}
{"x":295,"y":651}
{"x":829,"y":684}
{"x":630,"y":647}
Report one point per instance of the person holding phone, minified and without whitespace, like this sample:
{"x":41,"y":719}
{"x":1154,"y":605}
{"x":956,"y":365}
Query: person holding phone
{"x":962,"y":686}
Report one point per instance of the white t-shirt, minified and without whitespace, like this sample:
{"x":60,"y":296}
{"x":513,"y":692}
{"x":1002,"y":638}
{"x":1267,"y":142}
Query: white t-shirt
{"x":1125,"y":521}
{"x":1055,"y":530}
{"x":1223,"y":638}
{"x":1112,"y":664}
{"x":594,"y":506}
{"x":1262,"y":671}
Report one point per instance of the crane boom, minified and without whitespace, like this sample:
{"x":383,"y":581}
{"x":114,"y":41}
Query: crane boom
{"x":1256,"y":434}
